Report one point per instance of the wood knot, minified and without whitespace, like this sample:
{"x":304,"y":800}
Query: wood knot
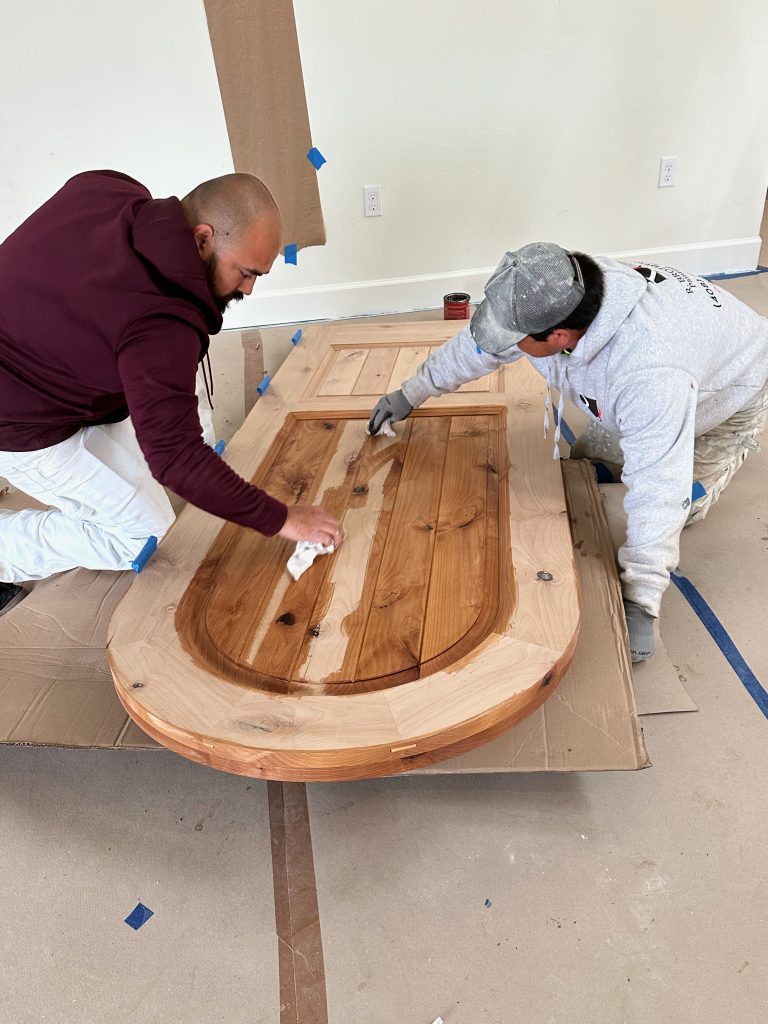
{"x":329,"y":426}
{"x":288,"y":619}
{"x":547,"y":679}
{"x":360,"y":489}
{"x":137,"y":686}
{"x":314,"y":631}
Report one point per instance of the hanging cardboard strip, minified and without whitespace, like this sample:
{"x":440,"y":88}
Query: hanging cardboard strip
{"x":258,"y":64}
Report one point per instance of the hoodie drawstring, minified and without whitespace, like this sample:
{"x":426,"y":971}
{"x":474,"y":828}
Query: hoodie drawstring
{"x":561,"y":373}
{"x":208,"y":386}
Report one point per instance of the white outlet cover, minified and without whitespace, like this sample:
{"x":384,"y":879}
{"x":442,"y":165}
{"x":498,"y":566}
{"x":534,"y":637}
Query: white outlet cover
{"x":668,"y":171}
{"x":372,"y":200}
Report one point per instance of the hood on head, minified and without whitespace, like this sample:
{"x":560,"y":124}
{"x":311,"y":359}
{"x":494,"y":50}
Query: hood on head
{"x":624,"y":288}
{"x":163,"y":237}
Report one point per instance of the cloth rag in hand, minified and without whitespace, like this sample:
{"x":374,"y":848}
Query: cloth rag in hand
{"x":304,"y":555}
{"x":385,"y":430}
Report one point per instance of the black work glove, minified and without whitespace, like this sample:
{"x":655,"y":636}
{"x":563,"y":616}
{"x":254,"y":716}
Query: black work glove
{"x":642,"y":642}
{"x":394,"y":406}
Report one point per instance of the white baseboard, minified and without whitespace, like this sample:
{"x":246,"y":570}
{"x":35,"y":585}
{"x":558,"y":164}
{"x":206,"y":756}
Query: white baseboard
{"x":728,"y":256}
{"x":401,"y":294}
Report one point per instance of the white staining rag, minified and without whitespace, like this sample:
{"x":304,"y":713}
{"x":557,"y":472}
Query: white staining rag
{"x":304,"y":555}
{"x":385,"y":430}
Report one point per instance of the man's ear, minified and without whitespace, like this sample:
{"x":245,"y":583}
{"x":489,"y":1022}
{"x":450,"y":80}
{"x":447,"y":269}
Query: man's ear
{"x":204,"y":238}
{"x":562,"y":338}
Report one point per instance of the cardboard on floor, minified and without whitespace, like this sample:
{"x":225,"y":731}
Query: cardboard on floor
{"x":56,"y":687}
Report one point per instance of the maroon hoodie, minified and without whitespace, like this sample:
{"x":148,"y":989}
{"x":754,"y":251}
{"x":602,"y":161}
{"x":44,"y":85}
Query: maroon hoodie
{"x":105,"y":312}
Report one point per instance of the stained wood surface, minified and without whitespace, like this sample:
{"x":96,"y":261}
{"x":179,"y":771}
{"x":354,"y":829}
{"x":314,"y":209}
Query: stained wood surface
{"x":429,"y":631}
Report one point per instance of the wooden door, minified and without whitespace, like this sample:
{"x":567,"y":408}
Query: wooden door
{"x":449,"y":613}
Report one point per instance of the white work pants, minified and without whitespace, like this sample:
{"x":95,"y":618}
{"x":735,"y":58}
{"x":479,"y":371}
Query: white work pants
{"x":105,"y":504}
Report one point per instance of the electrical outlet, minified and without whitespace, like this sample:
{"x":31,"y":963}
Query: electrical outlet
{"x":372,"y":200}
{"x":668,"y":171}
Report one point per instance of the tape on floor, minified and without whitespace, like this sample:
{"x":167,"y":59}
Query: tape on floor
{"x":139,"y":916}
{"x":303,"y":998}
{"x":253,"y":367}
{"x":721,"y":637}
{"x":730,"y":277}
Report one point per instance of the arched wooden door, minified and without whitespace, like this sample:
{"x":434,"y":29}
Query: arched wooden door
{"x":449,"y":613}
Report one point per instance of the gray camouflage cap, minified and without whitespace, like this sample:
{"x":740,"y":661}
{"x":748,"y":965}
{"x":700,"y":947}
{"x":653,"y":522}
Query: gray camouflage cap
{"x":531,"y":290}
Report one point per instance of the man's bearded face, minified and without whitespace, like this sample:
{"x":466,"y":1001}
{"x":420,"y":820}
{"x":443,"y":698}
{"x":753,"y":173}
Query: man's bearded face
{"x":221,"y":299}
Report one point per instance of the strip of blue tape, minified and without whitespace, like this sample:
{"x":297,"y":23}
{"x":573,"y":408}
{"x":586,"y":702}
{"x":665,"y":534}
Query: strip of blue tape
{"x":139,"y":916}
{"x":316,"y":158}
{"x":698,"y":491}
{"x":730,"y":277}
{"x":291,"y":254}
{"x":565,"y":430}
{"x":719,"y":634}
{"x":145,"y":554}
{"x":220,"y":446}
{"x":264,"y":384}
{"x":297,"y":337}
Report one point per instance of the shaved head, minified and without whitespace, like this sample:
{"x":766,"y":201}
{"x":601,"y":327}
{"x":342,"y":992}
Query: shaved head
{"x":231,"y":204}
{"x":238,"y":232}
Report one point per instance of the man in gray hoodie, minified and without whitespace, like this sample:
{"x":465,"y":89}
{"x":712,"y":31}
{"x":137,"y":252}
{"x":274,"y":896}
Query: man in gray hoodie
{"x":671,"y":370}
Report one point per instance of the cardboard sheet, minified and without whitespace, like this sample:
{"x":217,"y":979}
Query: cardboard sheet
{"x":56,"y":688}
{"x":258,"y":64}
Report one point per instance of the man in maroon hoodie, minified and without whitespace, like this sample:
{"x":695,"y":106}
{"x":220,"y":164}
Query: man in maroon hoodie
{"x":107,"y":299}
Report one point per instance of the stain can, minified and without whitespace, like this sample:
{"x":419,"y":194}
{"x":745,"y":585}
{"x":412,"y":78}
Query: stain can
{"x":456,"y":306}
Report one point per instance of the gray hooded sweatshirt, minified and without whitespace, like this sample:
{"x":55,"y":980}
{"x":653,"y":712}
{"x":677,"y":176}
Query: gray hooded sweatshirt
{"x":668,"y":357}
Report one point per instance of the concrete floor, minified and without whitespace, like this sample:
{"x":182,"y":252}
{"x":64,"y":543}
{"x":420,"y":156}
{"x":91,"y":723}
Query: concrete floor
{"x":614,"y":898}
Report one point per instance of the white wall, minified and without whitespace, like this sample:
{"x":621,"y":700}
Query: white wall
{"x":495,"y":123}
{"x":487,"y":125}
{"x":96,"y":83}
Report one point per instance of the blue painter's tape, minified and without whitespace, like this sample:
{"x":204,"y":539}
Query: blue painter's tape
{"x":291,"y":254}
{"x":565,"y":430}
{"x":220,"y":446}
{"x":297,"y":337}
{"x":316,"y":158}
{"x":139,"y":916}
{"x":730,"y":277}
{"x":264,"y":384}
{"x":697,"y":491}
{"x":479,"y":350}
{"x":719,"y":634}
{"x":145,"y":554}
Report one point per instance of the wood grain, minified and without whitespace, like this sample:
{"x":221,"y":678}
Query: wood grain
{"x":392,"y":641}
{"x":282,"y":642}
{"x":460,"y":542}
{"x":331,"y":653}
{"x":376,"y":372}
{"x":223,"y":616}
{"x":478,"y":656}
{"x":343,"y":372}
{"x":409,"y":358}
